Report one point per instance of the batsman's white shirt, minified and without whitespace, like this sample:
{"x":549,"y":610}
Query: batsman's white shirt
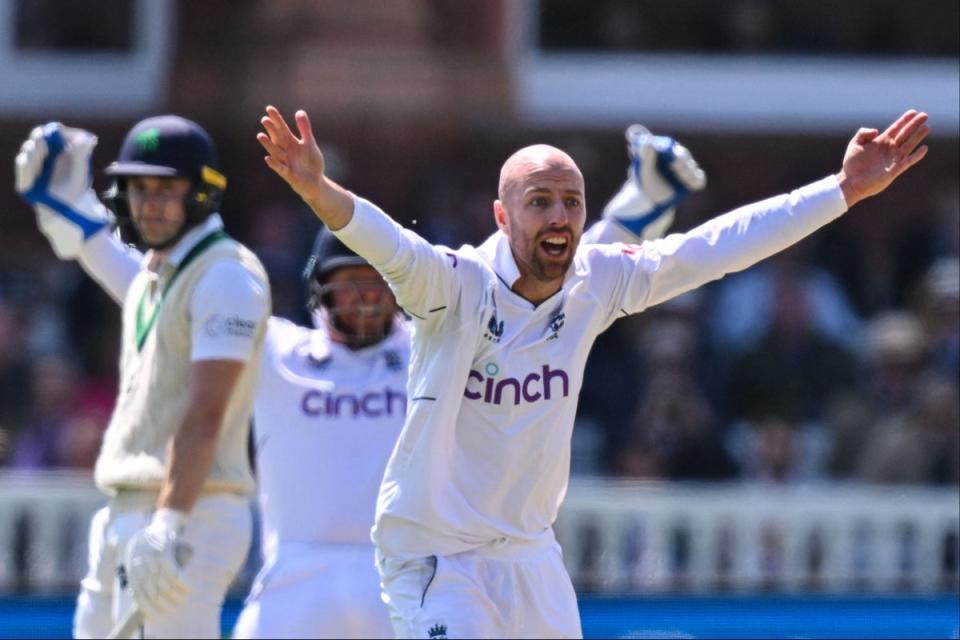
{"x":484,"y":454}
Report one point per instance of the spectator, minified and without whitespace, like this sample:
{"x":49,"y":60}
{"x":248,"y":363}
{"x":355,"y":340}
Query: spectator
{"x":638,"y":458}
{"x":745,"y":305}
{"x":52,"y":397}
{"x":13,"y":377}
{"x":920,"y":445}
{"x":775,"y":450}
{"x":940,"y":309}
{"x":683,"y":428}
{"x":896,"y":349}
{"x":794,"y":368}
{"x":280,"y":241}
{"x":82,"y":435}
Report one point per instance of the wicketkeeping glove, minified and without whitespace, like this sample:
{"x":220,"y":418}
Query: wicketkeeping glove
{"x":661,"y":174}
{"x":154,"y":560}
{"x":52,"y":173}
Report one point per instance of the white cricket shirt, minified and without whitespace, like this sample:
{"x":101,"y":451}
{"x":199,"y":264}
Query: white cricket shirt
{"x":485,"y":451}
{"x":325,"y":421}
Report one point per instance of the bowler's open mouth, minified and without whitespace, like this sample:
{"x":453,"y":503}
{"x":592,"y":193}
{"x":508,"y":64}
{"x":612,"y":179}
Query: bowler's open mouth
{"x":555,"y":246}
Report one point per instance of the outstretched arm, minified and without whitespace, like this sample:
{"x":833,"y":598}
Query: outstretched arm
{"x":424,"y":278}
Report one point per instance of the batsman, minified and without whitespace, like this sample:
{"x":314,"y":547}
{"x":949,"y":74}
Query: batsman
{"x":177,"y":527}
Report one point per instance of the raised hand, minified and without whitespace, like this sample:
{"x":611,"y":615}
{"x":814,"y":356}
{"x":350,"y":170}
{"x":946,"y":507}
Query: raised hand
{"x":662,"y":173}
{"x":300,"y":163}
{"x":52,"y":174}
{"x":874,"y":160}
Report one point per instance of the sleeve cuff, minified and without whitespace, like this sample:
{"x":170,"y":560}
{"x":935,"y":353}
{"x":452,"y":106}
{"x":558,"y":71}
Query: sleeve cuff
{"x":824,"y":194}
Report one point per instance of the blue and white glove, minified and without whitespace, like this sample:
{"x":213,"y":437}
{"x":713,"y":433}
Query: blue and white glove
{"x":662,"y":174}
{"x":154,"y":559}
{"x":52,"y":173}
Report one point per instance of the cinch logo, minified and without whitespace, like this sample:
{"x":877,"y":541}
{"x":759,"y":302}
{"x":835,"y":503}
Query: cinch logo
{"x":374,"y":404}
{"x":534,"y":387}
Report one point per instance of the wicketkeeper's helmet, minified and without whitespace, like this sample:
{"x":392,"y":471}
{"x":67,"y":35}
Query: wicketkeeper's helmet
{"x":328,"y":254}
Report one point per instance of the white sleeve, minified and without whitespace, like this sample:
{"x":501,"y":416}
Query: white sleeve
{"x":662,"y":269}
{"x":423,"y":277}
{"x":110,"y":262}
{"x":227,"y":308}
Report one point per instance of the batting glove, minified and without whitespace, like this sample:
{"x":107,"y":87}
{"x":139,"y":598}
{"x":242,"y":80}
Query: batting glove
{"x":662,"y":174}
{"x":154,"y":561}
{"x":52,"y":173}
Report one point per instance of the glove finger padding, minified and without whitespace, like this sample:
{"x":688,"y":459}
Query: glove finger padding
{"x":686,"y":169}
{"x":29,"y":161}
{"x":52,"y":173}
{"x":662,"y":174}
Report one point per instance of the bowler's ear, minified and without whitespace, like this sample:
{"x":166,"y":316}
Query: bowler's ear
{"x":500,"y":215}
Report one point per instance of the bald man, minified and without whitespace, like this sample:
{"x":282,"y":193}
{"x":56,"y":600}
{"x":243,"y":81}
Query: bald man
{"x":465,"y":545}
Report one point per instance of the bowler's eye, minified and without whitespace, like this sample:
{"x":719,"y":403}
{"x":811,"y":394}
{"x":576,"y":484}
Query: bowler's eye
{"x":539,"y":201}
{"x":572,"y":202}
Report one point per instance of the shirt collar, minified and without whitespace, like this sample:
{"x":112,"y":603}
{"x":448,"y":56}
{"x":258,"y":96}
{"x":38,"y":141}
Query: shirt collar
{"x":189,"y":240}
{"x":497,"y":253}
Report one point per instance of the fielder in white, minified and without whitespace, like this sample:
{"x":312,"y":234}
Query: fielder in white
{"x":174,"y":457}
{"x":501,"y":335}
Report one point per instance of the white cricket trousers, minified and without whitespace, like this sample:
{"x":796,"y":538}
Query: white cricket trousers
{"x":219,"y":529}
{"x":311,"y":590}
{"x":506,"y":589}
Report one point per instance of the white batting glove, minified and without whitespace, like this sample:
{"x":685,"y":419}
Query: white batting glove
{"x":662,"y":174}
{"x":52,"y":173}
{"x":154,"y":560}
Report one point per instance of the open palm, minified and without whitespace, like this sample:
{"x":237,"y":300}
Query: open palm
{"x":298,"y":161}
{"x":874,"y":160}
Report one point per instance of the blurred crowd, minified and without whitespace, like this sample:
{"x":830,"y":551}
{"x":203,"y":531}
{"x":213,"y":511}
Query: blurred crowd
{"x":838,"y":360}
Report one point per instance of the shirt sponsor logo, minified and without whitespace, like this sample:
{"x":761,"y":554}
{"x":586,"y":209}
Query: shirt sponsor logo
{"x":373,"y":404}
{"x":233,"y":326}
{"x":539,"y":385}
